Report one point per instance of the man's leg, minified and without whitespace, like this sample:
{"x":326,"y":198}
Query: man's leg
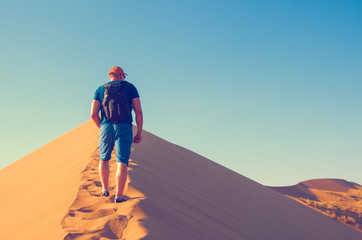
{"x":104,"y":173}
{"x":123,"y":142}
{"x":121,"y":178}
{"x":106,"y":145}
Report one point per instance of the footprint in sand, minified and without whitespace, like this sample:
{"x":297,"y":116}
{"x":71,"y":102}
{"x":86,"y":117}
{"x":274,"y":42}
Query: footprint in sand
{"x":90,"y":216}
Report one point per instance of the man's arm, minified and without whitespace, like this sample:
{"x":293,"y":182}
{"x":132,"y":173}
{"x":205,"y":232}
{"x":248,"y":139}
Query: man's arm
{"x":96,"y":107}
{"x":139,"y":119}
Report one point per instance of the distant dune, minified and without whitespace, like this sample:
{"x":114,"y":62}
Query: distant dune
{"x":172,"y":193}
{"x":337,"y":198}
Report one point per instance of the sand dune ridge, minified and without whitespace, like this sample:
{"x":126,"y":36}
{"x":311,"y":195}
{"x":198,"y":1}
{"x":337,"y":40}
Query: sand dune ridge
{"x":173,"y":194}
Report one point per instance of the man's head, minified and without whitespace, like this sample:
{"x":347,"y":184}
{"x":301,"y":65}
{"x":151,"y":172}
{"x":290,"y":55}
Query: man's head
{"x":116,"y":74}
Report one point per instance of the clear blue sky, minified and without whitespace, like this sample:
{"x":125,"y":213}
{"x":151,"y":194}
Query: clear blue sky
{"x":269,"y":89}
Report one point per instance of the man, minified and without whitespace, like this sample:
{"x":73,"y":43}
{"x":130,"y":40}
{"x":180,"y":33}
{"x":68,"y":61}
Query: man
{"x":118,"y":134}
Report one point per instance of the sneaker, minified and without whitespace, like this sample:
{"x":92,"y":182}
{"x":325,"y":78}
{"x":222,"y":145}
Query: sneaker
{"x":105,"y":193}
{"x":117,"y":200}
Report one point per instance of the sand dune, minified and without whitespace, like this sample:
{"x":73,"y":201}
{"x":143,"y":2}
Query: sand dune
{"x":337,"y":185}
{"x":38,"y":189}
{"x":337,"y":198}
{"x":173,"y":193}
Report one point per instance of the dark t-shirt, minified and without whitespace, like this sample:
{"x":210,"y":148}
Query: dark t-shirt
{"x":131,"y":93}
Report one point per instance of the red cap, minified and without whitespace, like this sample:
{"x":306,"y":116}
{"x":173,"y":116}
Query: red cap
{"x":116,"y":70}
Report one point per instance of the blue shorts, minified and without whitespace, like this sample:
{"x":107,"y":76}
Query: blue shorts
{"x":119,"y":135}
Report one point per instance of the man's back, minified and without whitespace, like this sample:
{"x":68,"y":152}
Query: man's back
{"x":130,"y":91}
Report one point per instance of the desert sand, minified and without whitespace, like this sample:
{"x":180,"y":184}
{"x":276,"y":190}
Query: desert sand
{"x":172,"y":193}
{"x":336,"y":198}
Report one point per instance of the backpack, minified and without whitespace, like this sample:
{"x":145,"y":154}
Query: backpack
{"x":115,"y":103}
